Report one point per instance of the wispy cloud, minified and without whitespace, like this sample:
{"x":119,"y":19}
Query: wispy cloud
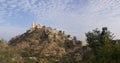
{"x":74,"y":16}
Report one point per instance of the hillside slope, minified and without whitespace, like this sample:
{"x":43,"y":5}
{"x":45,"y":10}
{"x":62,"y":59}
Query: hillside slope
{"x":44,"y":44}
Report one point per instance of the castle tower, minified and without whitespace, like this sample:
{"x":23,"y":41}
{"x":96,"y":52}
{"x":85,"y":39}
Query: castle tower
{"x":33,"y":25}
{"x":36,"y":25}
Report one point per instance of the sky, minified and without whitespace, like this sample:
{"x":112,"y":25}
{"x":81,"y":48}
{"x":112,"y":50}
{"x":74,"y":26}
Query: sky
{"x":75,"y":17}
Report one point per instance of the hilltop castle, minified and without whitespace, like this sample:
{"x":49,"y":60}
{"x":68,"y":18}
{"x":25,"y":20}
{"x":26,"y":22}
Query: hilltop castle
{"x":36,"y":25}
{"x":51,"y":32}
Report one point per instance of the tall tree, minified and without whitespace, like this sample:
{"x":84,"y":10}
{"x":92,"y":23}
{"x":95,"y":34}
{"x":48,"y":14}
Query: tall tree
{"x":101,"y":43}
{"x":93,"y":38}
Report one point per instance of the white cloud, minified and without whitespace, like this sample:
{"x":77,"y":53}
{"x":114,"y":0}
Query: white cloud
{"x":74,"y":16}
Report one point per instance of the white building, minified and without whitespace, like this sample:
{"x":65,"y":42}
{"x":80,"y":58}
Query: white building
{"x":36,"y":25}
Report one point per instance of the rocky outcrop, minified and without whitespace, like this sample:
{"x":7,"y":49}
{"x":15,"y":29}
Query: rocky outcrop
{"x":43,"y":43}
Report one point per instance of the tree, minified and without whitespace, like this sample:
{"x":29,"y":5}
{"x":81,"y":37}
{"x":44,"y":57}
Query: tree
{"x":101,"y":43}
{"x":93,"y":38}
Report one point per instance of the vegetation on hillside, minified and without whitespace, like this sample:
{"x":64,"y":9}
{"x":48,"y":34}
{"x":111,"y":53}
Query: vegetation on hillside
{"x":47,"y":45}
{"x":104,"y":48}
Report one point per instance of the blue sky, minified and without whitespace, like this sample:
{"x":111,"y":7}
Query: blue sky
{"x":73,"y":16}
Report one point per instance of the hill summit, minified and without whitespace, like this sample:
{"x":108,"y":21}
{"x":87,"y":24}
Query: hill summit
{"x":41,"y":33}
{"x":45,"y":44}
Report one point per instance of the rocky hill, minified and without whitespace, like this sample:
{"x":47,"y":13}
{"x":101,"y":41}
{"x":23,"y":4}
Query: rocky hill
{"x":47,"y":45}
{"x":42,"y":44}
